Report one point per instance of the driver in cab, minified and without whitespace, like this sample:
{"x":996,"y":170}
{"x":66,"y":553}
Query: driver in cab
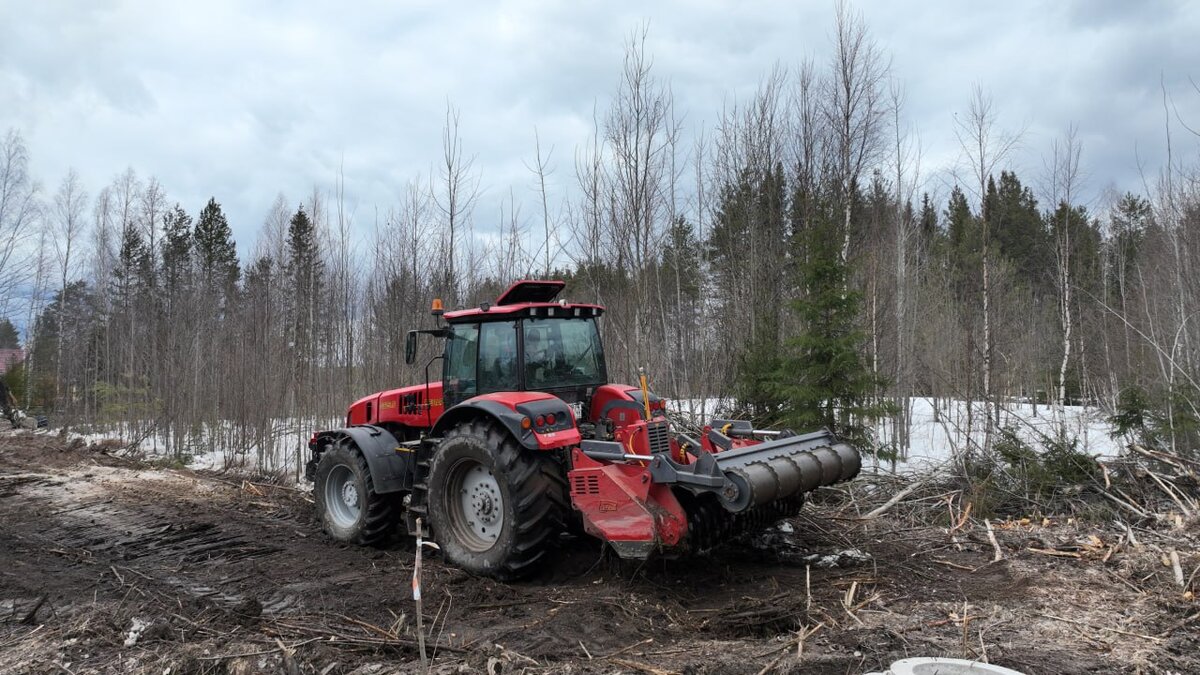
{"x":537,"y":363}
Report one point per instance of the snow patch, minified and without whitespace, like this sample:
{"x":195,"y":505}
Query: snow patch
{"x":135,"y":631}
{"x":940,"y":430}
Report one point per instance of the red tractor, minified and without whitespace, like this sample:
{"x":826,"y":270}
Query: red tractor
{"x":524,"y":433}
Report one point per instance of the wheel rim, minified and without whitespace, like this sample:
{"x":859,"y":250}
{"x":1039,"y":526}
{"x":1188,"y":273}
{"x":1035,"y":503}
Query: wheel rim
{"x":474,"y":505}
{"x":342,"y":501}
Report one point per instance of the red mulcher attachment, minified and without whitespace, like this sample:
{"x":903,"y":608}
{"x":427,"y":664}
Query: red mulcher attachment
{"x":651,"y":490}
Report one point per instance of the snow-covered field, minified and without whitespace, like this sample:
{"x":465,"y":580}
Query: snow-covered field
{"x":279,"y":450}
{"x":939,"y":430}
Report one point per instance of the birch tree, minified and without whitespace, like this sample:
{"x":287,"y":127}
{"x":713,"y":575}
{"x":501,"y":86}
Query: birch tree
{"x":18,"y":213}
{"x":985,"y":149}
{"x":1064,"y":185}
{"x":854,"y":109}
{"x":627,"y":179}
{"x":906,"y":163}
{"x":69,"y":204}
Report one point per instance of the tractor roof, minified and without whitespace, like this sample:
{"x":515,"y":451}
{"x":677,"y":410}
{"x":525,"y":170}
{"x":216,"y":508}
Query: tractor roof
{"x":531,"y":291}
{"x":527,"y":298}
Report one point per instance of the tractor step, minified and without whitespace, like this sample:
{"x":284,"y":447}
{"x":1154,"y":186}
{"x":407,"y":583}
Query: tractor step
{"x":418,"y":501}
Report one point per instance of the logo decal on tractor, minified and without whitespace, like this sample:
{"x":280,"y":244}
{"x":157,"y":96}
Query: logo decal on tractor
{"x":608,"y":507}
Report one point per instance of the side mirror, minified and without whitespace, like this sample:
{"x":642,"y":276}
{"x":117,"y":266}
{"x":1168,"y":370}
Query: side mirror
{"x":410,"y":347}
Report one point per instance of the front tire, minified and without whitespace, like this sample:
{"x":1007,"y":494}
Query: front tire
{"x":494,"y":507}
{"x":349,"y":509}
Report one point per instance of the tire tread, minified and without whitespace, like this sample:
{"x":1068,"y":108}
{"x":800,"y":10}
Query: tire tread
{"x":381,"y":511}
{"x":536,"y":488}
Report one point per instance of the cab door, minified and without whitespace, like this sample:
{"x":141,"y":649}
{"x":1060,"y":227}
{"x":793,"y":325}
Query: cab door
{"x":461,"y":364}
{"x":499,"y":362}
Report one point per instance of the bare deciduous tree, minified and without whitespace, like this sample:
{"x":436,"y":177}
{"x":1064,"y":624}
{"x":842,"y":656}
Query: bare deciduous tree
{"x":455,"y":198}
{"x":18,"y":212}
{"x":69,"y":204}
{"x":854,"y":108}
{"x":541,"y":170}
{"x":907,"y":164}
{"x":985,"y":149}
{"x":1064,"y":182}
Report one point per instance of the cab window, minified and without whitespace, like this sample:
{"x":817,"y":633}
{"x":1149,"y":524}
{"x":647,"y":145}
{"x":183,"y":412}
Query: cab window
{"x":462,"y":348}
{"x":498,"y":357}
{"x":562,"y":353}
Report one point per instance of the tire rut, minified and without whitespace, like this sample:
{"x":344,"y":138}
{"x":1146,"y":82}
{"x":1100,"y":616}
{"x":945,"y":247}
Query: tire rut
{"x":140,"y":524}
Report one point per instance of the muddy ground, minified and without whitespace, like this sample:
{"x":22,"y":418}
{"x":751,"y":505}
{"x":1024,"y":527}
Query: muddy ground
{"x":108,"y":565}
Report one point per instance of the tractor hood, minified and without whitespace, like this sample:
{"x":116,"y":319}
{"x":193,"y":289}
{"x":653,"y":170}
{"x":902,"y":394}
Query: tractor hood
{"x":414,"y":406}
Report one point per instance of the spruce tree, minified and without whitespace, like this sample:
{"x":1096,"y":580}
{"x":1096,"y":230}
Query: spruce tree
{"x":304,"y":270}
{"x":133,"y":273}
{"x":1019,"y":232}
{"x":1083,"y":232}
{"x":1130,"y":219}
{"x":9,"y":339}
{"x":304,"y":264}
{"x":964,"y":247}
{"x":216,"y":253}
{"x":176,"y":249}
{"x":727,"y":237}
{"x":932,"y":238}
{"x":681,"y":260}
{"x":747,"y":251}
{"x":78,"y":306}
{"x":821,"y":376}
{"x":958,"y":215}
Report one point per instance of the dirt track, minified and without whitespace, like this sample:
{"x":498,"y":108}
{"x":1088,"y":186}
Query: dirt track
{"x":226,"y":575}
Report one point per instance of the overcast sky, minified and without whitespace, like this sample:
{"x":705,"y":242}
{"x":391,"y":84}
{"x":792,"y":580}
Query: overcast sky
{"x":244,"y":100}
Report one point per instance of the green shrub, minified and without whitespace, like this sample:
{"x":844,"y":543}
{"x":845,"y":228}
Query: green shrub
{"x":1012,"y":449}
{"x":1134,"y":417}
{"x":1018,"y":478}
{"x":1062,"y":464}
{"x":1162,"y":420}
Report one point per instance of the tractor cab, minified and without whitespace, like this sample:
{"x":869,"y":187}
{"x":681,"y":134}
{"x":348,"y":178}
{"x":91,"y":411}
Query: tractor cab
{"x":525,"y":342}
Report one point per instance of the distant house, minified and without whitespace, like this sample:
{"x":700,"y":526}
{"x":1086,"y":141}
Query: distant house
{"x":10,"y":358}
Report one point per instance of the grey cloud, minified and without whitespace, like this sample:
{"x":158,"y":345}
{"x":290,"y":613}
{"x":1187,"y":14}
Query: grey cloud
{"x":1096,"y":13}
{"x":240,"y":103}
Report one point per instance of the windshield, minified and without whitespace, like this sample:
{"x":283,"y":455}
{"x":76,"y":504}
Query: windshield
{"x":562,"y":353}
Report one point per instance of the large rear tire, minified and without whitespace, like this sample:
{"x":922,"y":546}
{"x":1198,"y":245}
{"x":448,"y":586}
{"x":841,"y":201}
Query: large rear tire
{"x":495,"y":508}
{"x":349,"y":509}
